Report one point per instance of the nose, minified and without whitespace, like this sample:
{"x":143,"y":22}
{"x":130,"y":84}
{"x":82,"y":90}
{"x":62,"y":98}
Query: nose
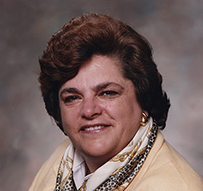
{"x":90,"y":108}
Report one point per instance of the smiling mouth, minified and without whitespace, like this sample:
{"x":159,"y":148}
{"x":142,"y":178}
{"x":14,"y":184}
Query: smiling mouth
{"x":93,"y":128}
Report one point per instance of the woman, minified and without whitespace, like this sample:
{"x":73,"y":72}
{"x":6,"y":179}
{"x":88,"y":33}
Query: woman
{"x":100,"y":84}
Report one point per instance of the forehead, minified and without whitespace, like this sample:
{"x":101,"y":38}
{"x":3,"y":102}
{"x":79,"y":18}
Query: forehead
{"x":104,"y":62}
{"x":101,"y":65}
{"x":97,"y":70}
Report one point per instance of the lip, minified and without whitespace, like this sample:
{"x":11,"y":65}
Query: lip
{"x":93,"y":128}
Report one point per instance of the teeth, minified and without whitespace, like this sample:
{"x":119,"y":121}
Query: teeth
{"x":93,"y":128}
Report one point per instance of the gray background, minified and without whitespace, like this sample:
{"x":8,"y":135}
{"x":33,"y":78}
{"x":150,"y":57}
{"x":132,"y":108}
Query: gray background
{"x":27,"y":134}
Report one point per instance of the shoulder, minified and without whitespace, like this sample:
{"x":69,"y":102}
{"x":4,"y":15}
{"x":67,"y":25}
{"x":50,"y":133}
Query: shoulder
{"x":46,"y":177}
{"x":166,"y":169}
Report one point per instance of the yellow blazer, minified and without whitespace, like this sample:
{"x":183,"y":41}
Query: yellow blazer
{"x":163,"y":170}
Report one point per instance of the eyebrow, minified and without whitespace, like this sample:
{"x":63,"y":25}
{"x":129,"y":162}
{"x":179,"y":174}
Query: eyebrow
{"x":105,"y":85}
{"x":69,"y":90}
{"x":97,"y":88}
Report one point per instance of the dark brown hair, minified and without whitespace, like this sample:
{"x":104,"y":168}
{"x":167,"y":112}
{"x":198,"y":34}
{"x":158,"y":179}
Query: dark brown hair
{"x":92,"y":34}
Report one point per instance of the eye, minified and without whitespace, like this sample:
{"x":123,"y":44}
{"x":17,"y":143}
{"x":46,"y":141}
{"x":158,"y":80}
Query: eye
{"x":109,"y":93}
{"x":70,"y":99}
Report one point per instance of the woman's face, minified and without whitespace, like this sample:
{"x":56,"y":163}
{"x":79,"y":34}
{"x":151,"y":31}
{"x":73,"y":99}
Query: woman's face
{"x":99,"y":110}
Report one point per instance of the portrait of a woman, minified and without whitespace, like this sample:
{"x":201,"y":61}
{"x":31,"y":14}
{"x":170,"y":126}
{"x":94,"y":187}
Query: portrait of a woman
{"x":101,"y":86}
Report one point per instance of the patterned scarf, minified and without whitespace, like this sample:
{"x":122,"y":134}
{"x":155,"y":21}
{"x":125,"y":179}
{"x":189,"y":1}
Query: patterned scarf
{"x":118,"y":172}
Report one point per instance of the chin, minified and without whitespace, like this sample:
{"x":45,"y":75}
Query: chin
{"x":98,"y":150}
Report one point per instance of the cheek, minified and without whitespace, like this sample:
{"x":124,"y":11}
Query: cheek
{"x":110,"y":107}
{"x":118,"y":110}
{"x":123,"y":106}
{"x":68,"y":117}
{"x":129,"y":111}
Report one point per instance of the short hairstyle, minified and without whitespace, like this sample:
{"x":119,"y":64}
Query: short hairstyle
{"x":95,"y":34}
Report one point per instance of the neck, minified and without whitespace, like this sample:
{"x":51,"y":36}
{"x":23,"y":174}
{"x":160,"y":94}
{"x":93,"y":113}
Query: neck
{"x":93,"y":164}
